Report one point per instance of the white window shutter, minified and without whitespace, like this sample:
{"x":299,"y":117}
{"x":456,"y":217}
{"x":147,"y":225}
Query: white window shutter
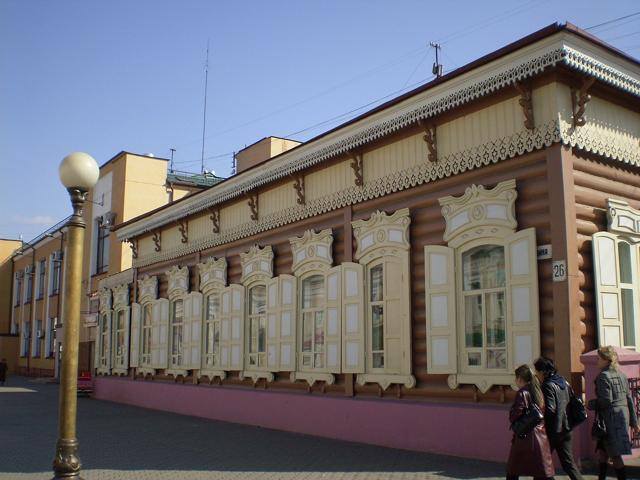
{"x":125,"y":347}
{"x":522,"y":297}
{"x":608,"y":295}
{"x":440,"y":306}
{"x":288,"y":310}
{"x":225,"y":328}
{"x":273,"y":320}
{"x":155,"y":333}
{"x":134,"y":352}
{"x":353,"y":353}
{"x":187,"y":319}
{"x":196,"y":299}
{"x":236,"y":341}
{"x":163,"y":344}
{"x":109,"y":342}
{"x":97,"y":344}
{"x":333,"y":314}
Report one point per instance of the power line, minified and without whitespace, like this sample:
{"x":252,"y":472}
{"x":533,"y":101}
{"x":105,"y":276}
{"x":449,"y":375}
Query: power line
{"x":612,"y":21}
{"x":622,"y":36}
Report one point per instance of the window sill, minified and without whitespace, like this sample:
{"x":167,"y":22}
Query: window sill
{"x":386,"y":379}
{"x":175,"y":372}
{"x":484,"y":381}
{"x":313,"y":377}
{"x":212,"y":373}
{"x":256,"y":375}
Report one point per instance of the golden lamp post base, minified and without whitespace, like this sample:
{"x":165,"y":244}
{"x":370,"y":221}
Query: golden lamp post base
{"x":66,"y":463}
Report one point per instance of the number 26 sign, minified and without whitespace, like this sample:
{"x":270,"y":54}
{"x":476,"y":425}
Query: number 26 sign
{"x":559,"y":269}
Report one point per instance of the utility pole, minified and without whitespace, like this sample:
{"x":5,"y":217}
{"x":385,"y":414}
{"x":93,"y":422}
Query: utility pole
{"x":437,"y":66}
{"x":204,"y":120}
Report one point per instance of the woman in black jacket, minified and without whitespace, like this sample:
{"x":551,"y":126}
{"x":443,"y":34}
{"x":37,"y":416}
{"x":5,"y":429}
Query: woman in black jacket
{"x":557,"y":392}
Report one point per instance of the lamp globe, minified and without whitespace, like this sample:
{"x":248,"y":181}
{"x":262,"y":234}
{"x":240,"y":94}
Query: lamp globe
{"x":79,"y":170}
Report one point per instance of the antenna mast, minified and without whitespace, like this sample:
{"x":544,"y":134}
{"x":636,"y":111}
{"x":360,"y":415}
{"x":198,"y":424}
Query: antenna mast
{"x":204,"y":119}
{"x":437,"y":66}
{"x":171,"y":164}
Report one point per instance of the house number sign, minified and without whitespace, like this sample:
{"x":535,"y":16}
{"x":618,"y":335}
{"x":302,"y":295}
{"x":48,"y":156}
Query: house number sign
{"x":559,"y":269}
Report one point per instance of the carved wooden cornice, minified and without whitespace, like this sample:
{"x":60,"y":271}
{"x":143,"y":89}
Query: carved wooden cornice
{"x":147,"y":289}
{"x":430,"y":139}
{"x":183,"y":228}
{"x":213,"y":274}
{"x":623,"y":219}
{"x":157,"y":240}
{"x":105,"y":299}
{"x":480,"y":212}
{"x":252,"y":201}
{"x":257,"y":263}
{"x":381,"y":232}
{"x":579,"y":100}
{"x":178,"y":279}
{"x":120,"y":296}
{"x":526,"y":102}
{"x":312,"y":251}
{"x":134,"y":248}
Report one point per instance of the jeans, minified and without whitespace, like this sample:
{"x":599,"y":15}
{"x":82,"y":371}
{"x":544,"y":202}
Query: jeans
{"x":561,"y":443}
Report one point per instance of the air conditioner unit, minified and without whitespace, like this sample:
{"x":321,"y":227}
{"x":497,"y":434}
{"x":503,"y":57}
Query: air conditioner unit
{"x":28,"y":270}
{"x":57,"y":256}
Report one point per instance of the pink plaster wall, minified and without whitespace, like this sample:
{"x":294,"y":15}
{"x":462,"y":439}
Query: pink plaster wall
{"x":465,"y":430}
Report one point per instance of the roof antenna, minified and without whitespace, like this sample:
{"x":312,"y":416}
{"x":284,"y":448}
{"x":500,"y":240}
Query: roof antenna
{"x":204,"y":119}
{"x":437,"y":66}
{"x":171,"y":164}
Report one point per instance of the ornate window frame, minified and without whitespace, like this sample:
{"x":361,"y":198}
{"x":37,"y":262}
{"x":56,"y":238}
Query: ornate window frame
{"x":312,"y":256}
{"x":120,"y":331}
{"x":479,"y":217}
{"x":103,"y":348}
{"x":257,"y":270}
{"x":618,"y":297}
{"x":147,"y":302}
{"x":383,"y":239}
{"x":213,"y":280}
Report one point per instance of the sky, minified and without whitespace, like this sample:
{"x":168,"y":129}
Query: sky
{"x":102,"y":77}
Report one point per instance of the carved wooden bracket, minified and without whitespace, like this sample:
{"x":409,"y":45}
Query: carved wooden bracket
{"x":215,"y":219}
{"x":134,"y":248}
{"x":526,"y":102}
{"x":298,"y":186}
{"x":358,"y":169}
{"x":252,"y":201}
{"x":579,"y":100}
{"x":183,"y":228}
{"x":430,"y":139}
{"x":157,"y":238}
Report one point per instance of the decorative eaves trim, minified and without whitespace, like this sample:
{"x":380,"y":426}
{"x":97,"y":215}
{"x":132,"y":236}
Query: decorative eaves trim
{"x":459,"y":91}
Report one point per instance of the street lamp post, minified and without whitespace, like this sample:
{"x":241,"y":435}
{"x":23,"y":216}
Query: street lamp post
{"x":78,"y":172}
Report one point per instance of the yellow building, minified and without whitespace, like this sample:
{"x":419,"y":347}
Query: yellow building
{"x":129,"y":185}
{"x":8,"y":341}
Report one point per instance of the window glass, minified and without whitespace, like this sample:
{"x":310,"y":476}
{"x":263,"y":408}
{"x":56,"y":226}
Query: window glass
{"x":624,"y":260}
{"x":377,"y":336}
{"x":483,"y":267}
{"x":313,"y":291}
{"x":376,"y":283}
{"x":628,"y":317}
{"x":473,"y":320}
{"x":41,"y":274}
{"x":146,"y":335}
{"x":257,"y":325}
{"x":177,"y":326}
{"x":212,"y":329}
{"x":257,"y":300}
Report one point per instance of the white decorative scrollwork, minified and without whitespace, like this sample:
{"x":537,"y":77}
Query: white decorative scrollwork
{"x":257,"y":264}
{"x":178,"y":281}
{"x":312,"y":251}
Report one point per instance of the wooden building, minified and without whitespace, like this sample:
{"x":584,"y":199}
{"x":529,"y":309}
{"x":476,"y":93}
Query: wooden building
{"x":398,"y":268}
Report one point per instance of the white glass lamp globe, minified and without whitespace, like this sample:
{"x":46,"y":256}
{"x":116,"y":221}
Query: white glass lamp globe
{"x":79,"y":170}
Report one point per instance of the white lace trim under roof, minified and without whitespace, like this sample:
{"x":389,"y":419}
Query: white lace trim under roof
{"x":563,"y":47}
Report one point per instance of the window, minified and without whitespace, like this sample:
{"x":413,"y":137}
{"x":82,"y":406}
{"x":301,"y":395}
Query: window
{"x":120,"y":340}
{"x":29,"y":294}
{"x":26,"y":335}
{"x":177,"y":324}
{"x":147,"y":326}
{"x":483,"y":279}
{"x":56,"y":262}
{"x":102,"y":252}
{"x":104,"y":341}
{"x":481,"y":291}
{"x":313,"y":322}
{"x":41,"y":275}
{"x":376,"y":312}
{"x":257,"y":326}
{"x":212,"y":330}
{"x":37,"y":340}
{"x":50,"y":337}
{"x":18,"y":289}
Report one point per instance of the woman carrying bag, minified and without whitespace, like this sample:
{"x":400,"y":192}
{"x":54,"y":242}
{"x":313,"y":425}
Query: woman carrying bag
{"x":615,"y":412}
{"x":530,"y":454}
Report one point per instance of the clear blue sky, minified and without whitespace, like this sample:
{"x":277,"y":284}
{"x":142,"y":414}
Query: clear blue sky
{"x":102,"y":77}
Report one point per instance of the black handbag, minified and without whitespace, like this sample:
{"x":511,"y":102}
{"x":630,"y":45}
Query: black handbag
{"x":599,"y":428}
{"x":576,"y":412}
{"x":525,"y":424}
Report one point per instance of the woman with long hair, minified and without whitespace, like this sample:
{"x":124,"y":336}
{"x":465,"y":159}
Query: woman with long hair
{"x":613,"y":404}
{"x":530,"y":455}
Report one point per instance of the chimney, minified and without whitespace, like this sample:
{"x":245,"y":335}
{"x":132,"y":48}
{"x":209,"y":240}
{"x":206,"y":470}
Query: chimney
{"x":261,"y":151}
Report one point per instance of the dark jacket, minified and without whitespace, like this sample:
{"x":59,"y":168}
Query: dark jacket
{"x":615,"y":405}
{"x":531,"y":455}
{"x":557,"y":393}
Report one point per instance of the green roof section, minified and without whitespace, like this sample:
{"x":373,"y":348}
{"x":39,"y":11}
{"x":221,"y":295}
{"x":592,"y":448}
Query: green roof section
{"x":202,"y":180}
